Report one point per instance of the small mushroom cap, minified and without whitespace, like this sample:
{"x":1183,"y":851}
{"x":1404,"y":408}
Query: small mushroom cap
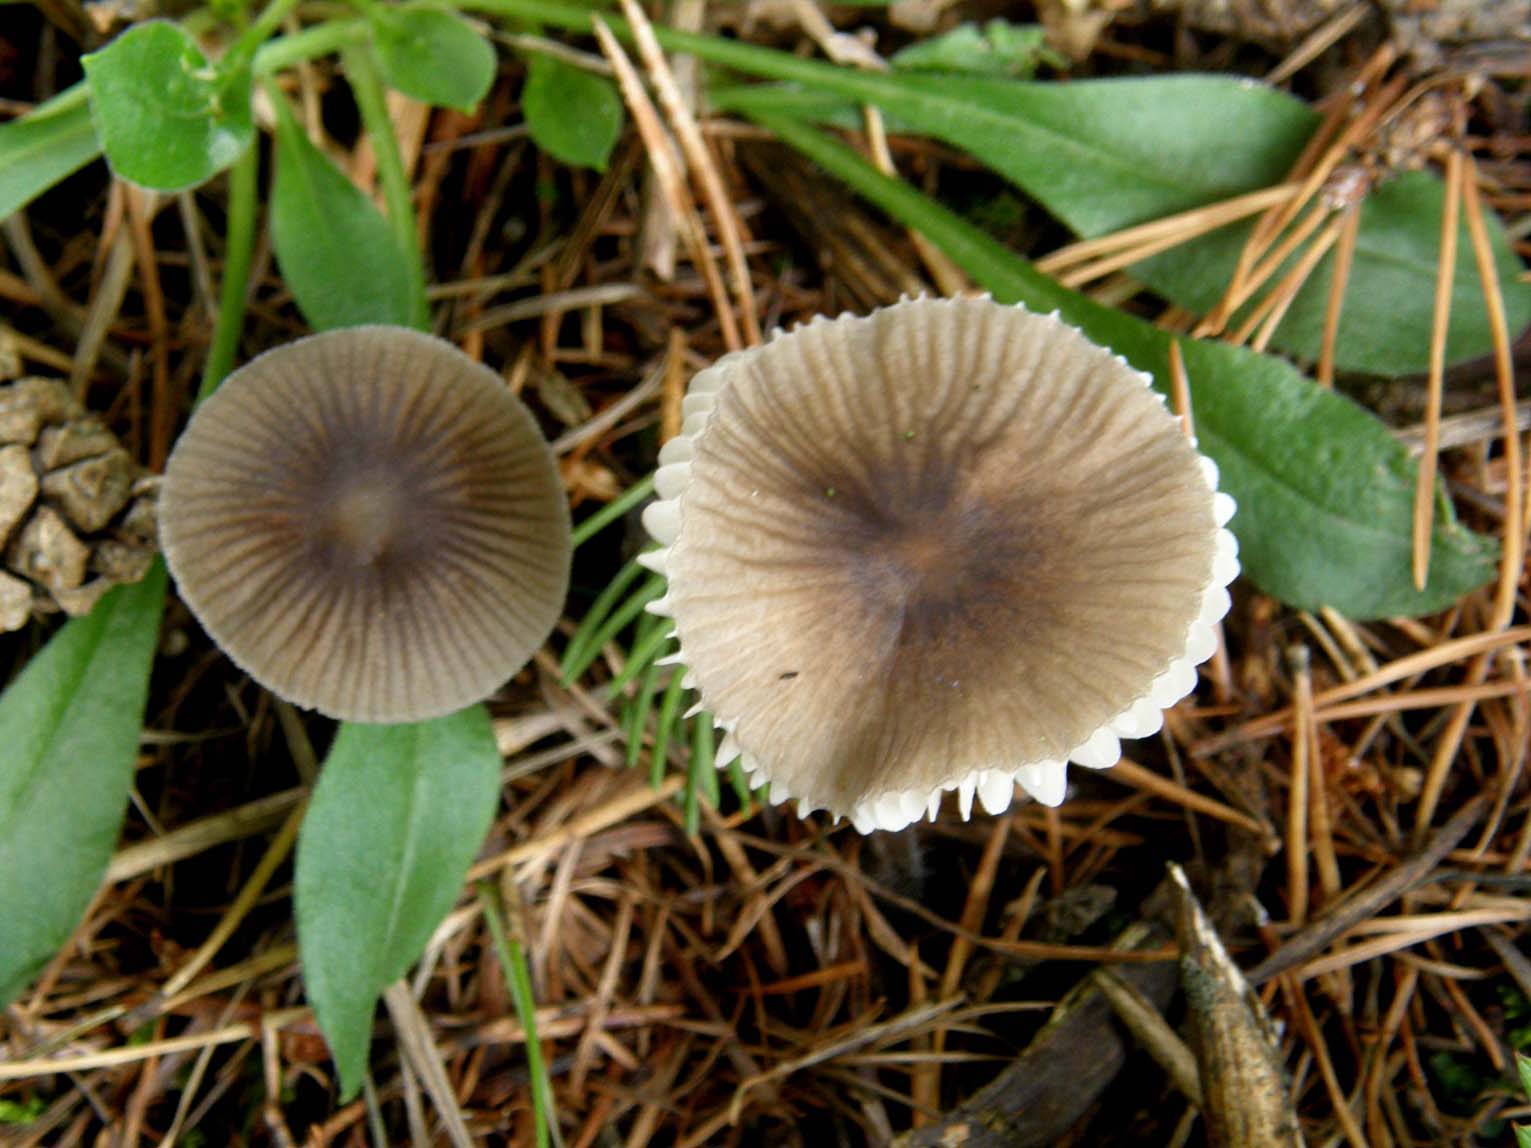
{"x":368,"y":523}
{"x":952,"y":545}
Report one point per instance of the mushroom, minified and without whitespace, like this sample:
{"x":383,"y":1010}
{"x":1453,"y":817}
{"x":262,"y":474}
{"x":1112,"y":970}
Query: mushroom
{"x":368,"y":523}
{"x":949,"y":546}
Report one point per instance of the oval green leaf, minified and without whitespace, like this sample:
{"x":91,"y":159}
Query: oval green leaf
{"x":571,"y":114}
{"x":1325,"y":492}
{"x":336,"y":252}
{"x":166,"y":117}
{"x":53,"y":140}
{"x":69,"y":724}
{"x":395,"y":820}
{"x":432,"y":55}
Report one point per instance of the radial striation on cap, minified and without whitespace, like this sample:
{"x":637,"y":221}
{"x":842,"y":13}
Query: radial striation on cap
{"x":949,"y":546}
{"x":368,"y":523}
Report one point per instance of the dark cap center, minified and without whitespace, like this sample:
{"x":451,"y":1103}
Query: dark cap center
{"x":960,"y":561}
{"x":363,"y":520}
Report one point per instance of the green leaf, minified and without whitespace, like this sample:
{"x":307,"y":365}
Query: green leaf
{"x":998,"y":48}
{"x":572,"y":115}
{"x":1108,"y":154}
{"x":69,"y":724}
{"x":1390,"y":296}
{"x":336,"y":251}
{"x":53,"y":140}
{"x":432,"y":55}
{"x":1325,"y":492}
{"x":166,"y":117}
{"x":395,"y":820}
{"x":1099,"y":154}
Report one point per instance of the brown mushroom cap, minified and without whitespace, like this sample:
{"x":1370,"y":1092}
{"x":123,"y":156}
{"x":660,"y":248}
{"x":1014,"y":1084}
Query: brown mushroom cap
{"x":368,"y":523}
{"x":951,"y":545}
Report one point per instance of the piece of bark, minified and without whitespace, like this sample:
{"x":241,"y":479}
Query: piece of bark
{"x":1245,"y":1099}
{"x":1062,"y":1073}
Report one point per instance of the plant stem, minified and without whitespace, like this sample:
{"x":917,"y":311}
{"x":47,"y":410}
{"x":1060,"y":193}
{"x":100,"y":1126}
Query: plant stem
{"x":367,"y":84}
{"x":244,"y":48}
{"x":235,"y":288}
{"x":309,"y":44}
{"x":746,"y":58}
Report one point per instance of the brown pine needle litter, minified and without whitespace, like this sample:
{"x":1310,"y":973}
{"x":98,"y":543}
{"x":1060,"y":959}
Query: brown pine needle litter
{"x":1339,"y":955}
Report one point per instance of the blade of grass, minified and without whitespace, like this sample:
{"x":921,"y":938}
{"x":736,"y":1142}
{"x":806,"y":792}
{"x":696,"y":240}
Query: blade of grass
{"x":702,"y":777}
{"x":664,"y":726}
{"x":741,"y":784}
{"x":644,"y":650}
{"x":518,"y":979}
{"x":638,"y":714}
{"x":582,"y":641}
{"x":619,"y":620}
{"x":612,"y":511}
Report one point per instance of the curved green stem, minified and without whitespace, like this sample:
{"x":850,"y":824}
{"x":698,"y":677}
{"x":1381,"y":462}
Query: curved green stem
{"x":238,"y":251}
{"x":367,"y":84}
{"x":309,"y":44}
{"x":243,"y":49}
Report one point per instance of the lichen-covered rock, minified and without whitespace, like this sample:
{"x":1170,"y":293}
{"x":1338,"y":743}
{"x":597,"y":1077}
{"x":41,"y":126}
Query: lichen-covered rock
{"x":77,"y":514}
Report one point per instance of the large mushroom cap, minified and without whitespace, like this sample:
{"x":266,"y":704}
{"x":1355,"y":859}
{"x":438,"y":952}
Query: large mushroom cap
{"x":952,"y":545}
{"x":368,"y":523}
